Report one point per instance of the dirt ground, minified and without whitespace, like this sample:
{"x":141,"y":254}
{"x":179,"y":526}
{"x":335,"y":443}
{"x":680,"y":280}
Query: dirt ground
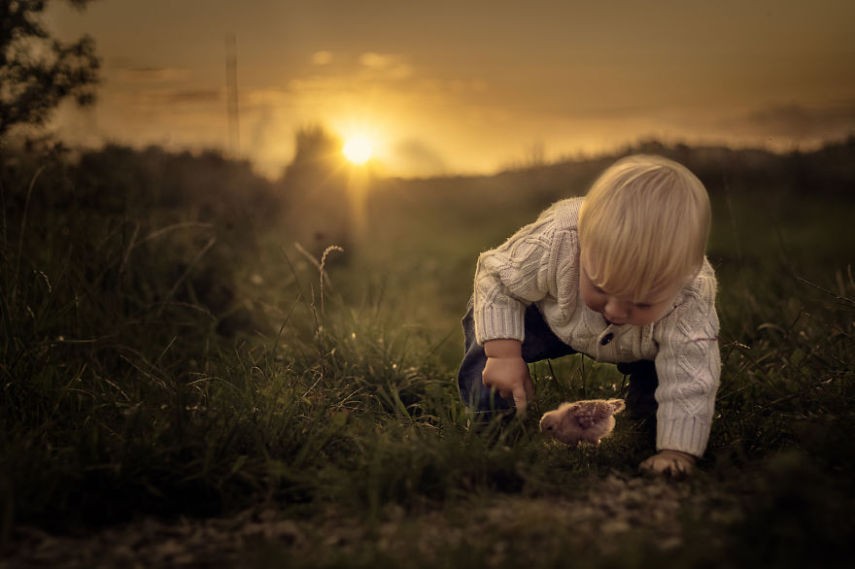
{"x":598,"y":520}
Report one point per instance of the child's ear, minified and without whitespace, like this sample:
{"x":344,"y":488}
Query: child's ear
{"x":618,"y":405}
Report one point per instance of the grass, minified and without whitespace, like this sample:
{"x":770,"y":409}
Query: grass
{"x":160,"y":355}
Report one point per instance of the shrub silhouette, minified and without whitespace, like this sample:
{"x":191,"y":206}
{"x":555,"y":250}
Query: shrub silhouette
{"x":315,"y":188}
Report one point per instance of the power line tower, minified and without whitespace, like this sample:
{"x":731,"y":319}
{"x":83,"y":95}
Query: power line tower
{"x":232,"y":95}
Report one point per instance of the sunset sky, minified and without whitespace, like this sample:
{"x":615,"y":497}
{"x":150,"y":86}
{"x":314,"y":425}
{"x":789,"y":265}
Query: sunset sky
{"x":467,"y":86}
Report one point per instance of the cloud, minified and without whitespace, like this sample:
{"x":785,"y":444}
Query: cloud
{"x":376,"y":60}
{"x":322,"y":57}
{"x":265,"y":97}
{"x":415,"y":158}
{"x":152,"y":74}
{"x":160,"y":88}
{"x":169,"y":100}
{"x":466,"y":86}
{"x":191,"y":96}
{"x":387,"y":65}
{"x":799,"y":121}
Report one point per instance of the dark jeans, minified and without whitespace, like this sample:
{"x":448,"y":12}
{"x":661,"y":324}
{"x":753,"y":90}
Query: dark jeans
{"x":540,"y":344}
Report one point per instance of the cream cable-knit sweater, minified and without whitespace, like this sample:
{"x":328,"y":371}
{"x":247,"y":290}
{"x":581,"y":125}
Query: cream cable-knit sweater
{"x":540,"y":264}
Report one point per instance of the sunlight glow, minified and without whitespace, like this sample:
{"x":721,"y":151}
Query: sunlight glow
{"x":357,"y":149}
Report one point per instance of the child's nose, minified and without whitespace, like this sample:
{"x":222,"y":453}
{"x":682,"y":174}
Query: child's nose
{"x":615,"y":309}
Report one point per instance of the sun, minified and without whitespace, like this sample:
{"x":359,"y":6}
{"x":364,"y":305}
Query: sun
{"x":357,"y":149}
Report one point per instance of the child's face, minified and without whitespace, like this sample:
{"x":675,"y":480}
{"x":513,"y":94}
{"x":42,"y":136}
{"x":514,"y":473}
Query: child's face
{"x":620,"y":310}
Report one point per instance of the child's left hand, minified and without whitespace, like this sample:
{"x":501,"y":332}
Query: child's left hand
{"x":670,"y":462}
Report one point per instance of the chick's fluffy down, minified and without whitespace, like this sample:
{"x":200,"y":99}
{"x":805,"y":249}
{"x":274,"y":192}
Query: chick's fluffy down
{"x":582,"y":421}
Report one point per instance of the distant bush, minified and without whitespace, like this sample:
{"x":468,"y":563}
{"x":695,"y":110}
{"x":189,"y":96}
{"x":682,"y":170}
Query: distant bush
{"x":829,"y":170}
{"x":315,"y":184}
{"x":153,"y":207}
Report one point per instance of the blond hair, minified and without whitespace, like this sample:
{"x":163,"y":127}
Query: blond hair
{"x":644,"y":226}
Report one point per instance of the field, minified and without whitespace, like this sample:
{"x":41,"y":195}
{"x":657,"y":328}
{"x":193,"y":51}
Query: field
{"x":204,"y":368}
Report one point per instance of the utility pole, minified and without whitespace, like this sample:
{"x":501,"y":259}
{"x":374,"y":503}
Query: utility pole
{"x":232,"y":95}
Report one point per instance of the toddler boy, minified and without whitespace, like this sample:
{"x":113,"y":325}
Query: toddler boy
{"x":620,"y":275}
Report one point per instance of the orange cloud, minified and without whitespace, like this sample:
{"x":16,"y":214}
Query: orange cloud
{"x":152,"y":74}
{"x":322,"y":57}
{"x":390,"y":66}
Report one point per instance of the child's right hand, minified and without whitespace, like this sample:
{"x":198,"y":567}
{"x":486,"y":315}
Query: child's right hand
{"x":511,"y":379}
{"x":507,"y":372}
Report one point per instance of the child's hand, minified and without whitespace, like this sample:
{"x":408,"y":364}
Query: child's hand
{"x":509,"y":376}
{"x":670,"y":462}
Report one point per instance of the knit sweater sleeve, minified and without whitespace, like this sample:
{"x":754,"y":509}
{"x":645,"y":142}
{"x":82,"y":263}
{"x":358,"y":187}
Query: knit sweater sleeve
{"x":510,"y":277}
{"x":688,"y":365}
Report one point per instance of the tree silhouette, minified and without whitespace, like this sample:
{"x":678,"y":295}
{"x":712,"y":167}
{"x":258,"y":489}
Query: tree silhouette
{"x":315,"y":185}
{"x":37,"y":71}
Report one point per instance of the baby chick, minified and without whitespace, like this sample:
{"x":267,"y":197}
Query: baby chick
{"x":578,"y":421}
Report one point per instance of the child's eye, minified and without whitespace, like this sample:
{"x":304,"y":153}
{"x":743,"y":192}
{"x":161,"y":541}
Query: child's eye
{"x":644,"y":306}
